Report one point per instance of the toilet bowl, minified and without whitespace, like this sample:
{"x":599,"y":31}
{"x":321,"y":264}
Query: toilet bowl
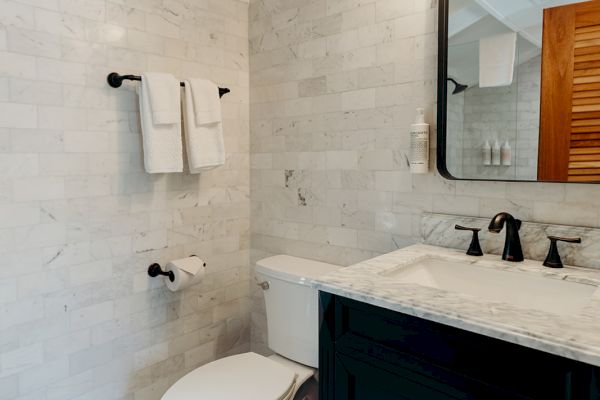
{"x":243,"y":376}
{"x":292,"y":331}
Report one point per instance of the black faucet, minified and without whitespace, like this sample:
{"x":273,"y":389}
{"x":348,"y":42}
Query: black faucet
{"x":512,"y":245}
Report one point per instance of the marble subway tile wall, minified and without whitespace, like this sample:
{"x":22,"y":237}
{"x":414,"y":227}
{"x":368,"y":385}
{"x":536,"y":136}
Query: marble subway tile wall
{"x":334,"y":85}
{"x":507,"y":113}
{"x":80,"y":220}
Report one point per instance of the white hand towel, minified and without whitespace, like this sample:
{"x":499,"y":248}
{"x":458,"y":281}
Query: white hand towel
{"x":207,"y":103}
{"x":204,"y":142}
{"x":164,"y":92}
{"x":497,"y":60}
{"x":163,"y":148}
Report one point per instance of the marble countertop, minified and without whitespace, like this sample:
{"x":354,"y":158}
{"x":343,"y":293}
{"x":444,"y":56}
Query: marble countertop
{"x":575,"y":336}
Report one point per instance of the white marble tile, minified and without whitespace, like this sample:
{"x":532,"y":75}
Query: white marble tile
{"x":21,"y":359}
{"x":92,"y":315}
{"x":33,"y":43}
{"x":14,"y":115}
{"x":16,"y":14}
{"x":91,"y":9}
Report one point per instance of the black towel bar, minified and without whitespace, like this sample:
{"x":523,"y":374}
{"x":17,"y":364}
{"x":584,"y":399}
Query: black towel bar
{"x":115,"y":80}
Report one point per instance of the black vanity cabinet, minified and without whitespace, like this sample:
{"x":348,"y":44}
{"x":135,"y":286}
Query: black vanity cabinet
{"x":371,"y":353}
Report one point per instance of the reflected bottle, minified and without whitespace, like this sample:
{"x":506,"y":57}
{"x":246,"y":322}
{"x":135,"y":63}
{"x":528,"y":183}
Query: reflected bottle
{"x":486,"y":153}
{"x":496,"y":153}
{"x":506,"y":154}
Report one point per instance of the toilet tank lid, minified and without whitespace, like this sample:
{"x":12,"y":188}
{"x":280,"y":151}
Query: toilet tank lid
{"x":294,"y":269}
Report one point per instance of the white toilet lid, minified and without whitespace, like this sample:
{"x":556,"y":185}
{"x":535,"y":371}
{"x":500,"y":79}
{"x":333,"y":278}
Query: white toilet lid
{"x":247,"y":376}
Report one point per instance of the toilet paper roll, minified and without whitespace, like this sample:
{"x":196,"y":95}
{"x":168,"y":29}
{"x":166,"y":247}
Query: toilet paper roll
{"x":187,"y":271}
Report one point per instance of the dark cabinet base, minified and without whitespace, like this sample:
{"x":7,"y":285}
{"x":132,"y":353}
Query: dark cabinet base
{"x":370,"y":353}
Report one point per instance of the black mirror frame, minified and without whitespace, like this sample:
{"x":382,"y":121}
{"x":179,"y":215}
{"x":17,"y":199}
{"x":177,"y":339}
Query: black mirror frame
{"x":442,"y":103}
{"x":442,"y":99}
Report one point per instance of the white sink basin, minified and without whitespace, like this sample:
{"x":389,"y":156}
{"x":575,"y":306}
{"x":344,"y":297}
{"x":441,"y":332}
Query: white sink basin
{"x":512,"y":287}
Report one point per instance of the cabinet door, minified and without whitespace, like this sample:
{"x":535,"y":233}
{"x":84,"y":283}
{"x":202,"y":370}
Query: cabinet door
{"x":374,"y":354}
{"x":359,"y":380}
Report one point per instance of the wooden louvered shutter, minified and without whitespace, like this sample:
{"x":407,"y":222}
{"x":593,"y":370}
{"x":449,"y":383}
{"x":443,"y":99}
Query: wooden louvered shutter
{"x":569,"y":147}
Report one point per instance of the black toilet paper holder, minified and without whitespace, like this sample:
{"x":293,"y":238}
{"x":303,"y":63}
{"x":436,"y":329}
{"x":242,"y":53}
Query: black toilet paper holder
{"x":155,"y":270}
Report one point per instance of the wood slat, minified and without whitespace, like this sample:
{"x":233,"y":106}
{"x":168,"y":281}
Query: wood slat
{"x":585,"y":136}
{"x":584,"y":143}
{"x":584,"y":178}
{"x":586,"y":115}
{"x":586,"y":108}
{"x":585,"y":157}
{"x":588,"y":150}
{"x":585,"y":129}
{"x":586,"y":87}
{"x":587,"y":65}
{"x":587,"y":43}
{"x":586,"y":122}
{"x":586,"y":51}
{"x":580,"y":36}
{"x":587,"y":57}
{"x":587,"y":19}
{"x":587,"y":72}
{"x":586,"y":94}
{"x":585,"y":171}
{"x":587,"y":79}
{"x":587,"y":29}
{"x":586,"y":101}
{"x":584,"y":164}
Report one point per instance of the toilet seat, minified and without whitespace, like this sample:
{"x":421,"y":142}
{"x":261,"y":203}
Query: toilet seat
{"x":247,"y":376}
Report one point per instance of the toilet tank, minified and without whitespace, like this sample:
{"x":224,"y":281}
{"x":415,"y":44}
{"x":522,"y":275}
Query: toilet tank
{"x":292,"y":305}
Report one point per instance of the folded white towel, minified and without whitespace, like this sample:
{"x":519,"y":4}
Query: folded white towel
{"x":163,"y":148}
{"x":497,"y":60}
{"x":207,"y":103}
{"x":164,"y":93}
{"x":204,"y":142}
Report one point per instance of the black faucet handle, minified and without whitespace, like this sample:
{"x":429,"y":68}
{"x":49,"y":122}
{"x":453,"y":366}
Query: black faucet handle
{"x":553,"y":259}
{"x":564,"y":239}
{"x":474,"y":247}
{"x":466,"y":228}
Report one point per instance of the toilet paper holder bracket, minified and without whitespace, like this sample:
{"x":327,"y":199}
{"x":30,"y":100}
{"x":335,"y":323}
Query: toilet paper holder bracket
{"x":155,"y":270}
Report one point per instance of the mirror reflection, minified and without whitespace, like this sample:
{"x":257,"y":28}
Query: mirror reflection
{"x":523,"y":90}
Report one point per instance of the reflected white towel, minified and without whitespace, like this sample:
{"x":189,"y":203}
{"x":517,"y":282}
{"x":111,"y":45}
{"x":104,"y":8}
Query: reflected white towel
{"x":164,"y":93}
{"x":204,"y":142}
{"x":207,"y":103}
{"x":163,"y":148}
{"x":497,"y":60}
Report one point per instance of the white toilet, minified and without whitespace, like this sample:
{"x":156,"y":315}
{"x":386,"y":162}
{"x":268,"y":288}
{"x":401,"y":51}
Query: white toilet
{"x":292,"y":319}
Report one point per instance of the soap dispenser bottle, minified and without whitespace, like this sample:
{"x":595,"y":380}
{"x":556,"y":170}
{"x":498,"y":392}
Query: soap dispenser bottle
{"x":419,"y":144}
{"x":496,"y":153}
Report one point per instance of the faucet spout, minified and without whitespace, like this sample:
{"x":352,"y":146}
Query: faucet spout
{"x":512,"y":245}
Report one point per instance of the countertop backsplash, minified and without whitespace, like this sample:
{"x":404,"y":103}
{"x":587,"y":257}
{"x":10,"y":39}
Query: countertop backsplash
{"x":438,"y":230}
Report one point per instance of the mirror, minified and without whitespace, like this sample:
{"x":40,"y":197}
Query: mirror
{"x":519,"y":90}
